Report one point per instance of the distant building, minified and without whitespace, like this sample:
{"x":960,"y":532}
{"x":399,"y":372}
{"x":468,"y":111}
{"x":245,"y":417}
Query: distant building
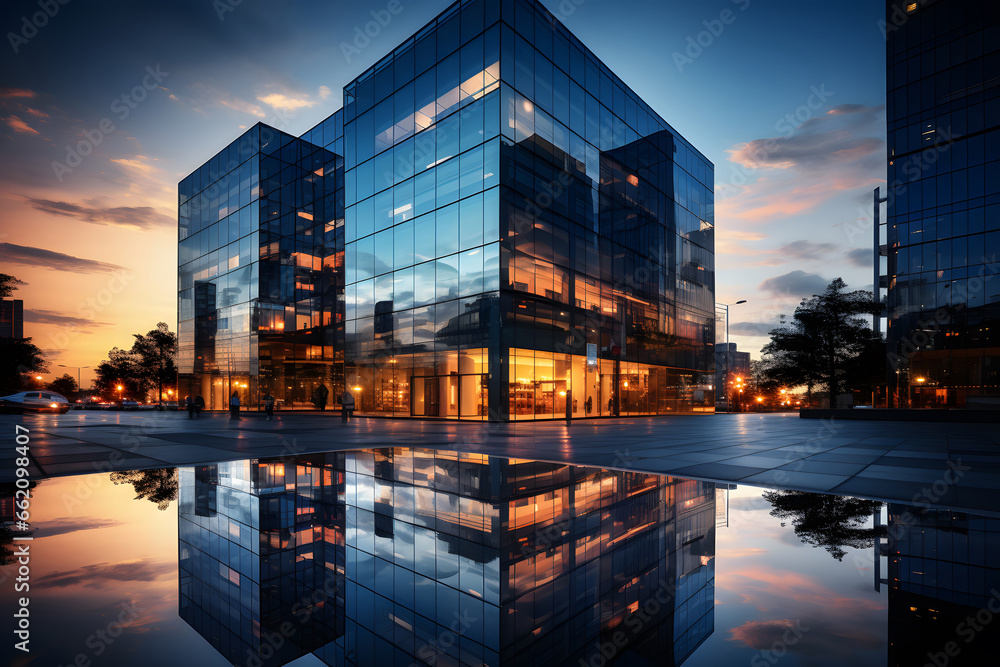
{"x":730,"y":364}
{"x":11,"y":318}
{"x":942,"y":240}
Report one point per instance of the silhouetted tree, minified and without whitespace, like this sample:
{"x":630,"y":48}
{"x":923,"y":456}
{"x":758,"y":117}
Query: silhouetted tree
{"x":8,"y":284}
{"x":65,"y":385}
{"x":820,"y":345}
{"x":155,"y":353}
{"x":120,"y":368}
{"x":158,"y":485}
{"x":20,"y":360}
{"x":831,"y":522}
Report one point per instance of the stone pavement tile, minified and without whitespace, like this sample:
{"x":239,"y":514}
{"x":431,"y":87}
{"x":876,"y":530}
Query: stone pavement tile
{"x":885,"y":490}
{"x":719,"y":471}
{"x":104,"y":466}
{"x":761,"y":461}
{"x":824,"y":467}
{"x":910,"y":462}
{"x":837,"y":457}
{"x":919,"y":475}
{"x":787,"y":479}
{"x":706,"y":457}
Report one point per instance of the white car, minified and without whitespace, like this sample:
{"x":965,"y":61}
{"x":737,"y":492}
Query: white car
{"x":36,"y":401}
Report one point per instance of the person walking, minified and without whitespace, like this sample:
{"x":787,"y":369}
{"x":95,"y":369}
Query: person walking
{"x":346,"y":406}
{"x":189,"y":406}
{"x":269,"y":406}
{"x":234,"y":407}
{"x":199,"y":405}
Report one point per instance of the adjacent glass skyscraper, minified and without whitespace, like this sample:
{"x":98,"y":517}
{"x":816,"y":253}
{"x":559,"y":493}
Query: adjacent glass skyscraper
{"x":519,"y":236}
{"x":943,"y":236}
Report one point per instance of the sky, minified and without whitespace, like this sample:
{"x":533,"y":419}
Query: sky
{"x":785,"y":98}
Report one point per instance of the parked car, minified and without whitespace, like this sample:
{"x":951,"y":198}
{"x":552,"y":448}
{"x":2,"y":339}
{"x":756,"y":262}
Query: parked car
{"x":170,"y":405}
{"x":36,"y":401}
{"x":129,"y":404}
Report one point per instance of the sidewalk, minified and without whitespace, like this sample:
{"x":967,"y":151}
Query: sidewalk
{"x":956,"y":465}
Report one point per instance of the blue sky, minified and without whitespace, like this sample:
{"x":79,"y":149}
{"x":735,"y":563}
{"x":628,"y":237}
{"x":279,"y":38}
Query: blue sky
{"x":785,"y":98}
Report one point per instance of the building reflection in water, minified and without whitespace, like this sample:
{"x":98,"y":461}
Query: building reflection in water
{"x":944,"y":586}
{"x":409,"y":556}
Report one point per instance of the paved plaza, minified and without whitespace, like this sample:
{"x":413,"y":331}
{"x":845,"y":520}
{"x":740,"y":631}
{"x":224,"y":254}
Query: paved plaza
{"x":956,"y":465}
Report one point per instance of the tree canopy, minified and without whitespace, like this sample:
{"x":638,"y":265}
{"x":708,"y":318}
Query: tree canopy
{"x":158,"y":485}
{"x":8,"y":284}
{"x":827,"y":343}
{"x":832,"y":522}
{"x":65,"y":385}
{"x":148,"y":364}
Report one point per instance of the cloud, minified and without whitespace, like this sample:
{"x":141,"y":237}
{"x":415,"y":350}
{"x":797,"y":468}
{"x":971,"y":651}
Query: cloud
{"x":6,"y":93}
{"x":836,"y":137}
{"x":790,"y":175}
{"x":796,"y":283}
{"x":762,"y":634}
{"x":751,"y":328}
{"x":19,"y":125}
{"x":860,"y":257}
{"x":285,"y":103}
{"x":68,"y":525}
{"x":130,"y":217}
{"x":49,"y":259}
{"x":100,"y":574}
{"x":288,"y":103}
{"x":805,"y":250}
{"x":41,"y":316}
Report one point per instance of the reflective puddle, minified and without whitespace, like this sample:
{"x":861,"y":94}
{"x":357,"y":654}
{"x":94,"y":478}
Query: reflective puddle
{"x":410,"y":556}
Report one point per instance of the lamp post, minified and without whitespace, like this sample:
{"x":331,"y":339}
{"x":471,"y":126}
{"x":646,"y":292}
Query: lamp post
{"x":726,"y":306}
{"x":79,"y":384}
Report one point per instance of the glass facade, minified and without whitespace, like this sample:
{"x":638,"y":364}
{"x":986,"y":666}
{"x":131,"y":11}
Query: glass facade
{"x":943,"y":234}
{"x":260,"y":276}
{"x":941,"y":572}
{"x":436,"y":557}
{"x":261,"y":545}
{"x":523,"y":237}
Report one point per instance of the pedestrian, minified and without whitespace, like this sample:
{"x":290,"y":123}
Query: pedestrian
{"x":199,"y":405}
{"x":234,"y":407}
{"x":189,"y":406}
{"x":346,"y":406}
{"x":269,"y":406}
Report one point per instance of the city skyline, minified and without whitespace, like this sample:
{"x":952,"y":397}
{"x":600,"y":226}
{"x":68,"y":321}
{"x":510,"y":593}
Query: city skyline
{"x":784,"y":233}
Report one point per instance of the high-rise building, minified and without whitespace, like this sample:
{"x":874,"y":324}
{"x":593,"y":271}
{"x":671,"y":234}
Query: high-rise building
{"x":11,"y":318}
{"x":943,"y":229}
{"x":410,"y":556}
{"x":512,"y":232}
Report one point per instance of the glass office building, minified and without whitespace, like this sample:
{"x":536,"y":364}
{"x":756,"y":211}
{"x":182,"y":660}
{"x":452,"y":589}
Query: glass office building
{"x":943,"y":232}
{"x":409,"y":556}
{"x":260,"y":272}
{"x":523,"y":237}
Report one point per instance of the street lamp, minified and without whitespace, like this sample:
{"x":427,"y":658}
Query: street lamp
{"x":79,"y":384}
{"x":726,"y":306}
